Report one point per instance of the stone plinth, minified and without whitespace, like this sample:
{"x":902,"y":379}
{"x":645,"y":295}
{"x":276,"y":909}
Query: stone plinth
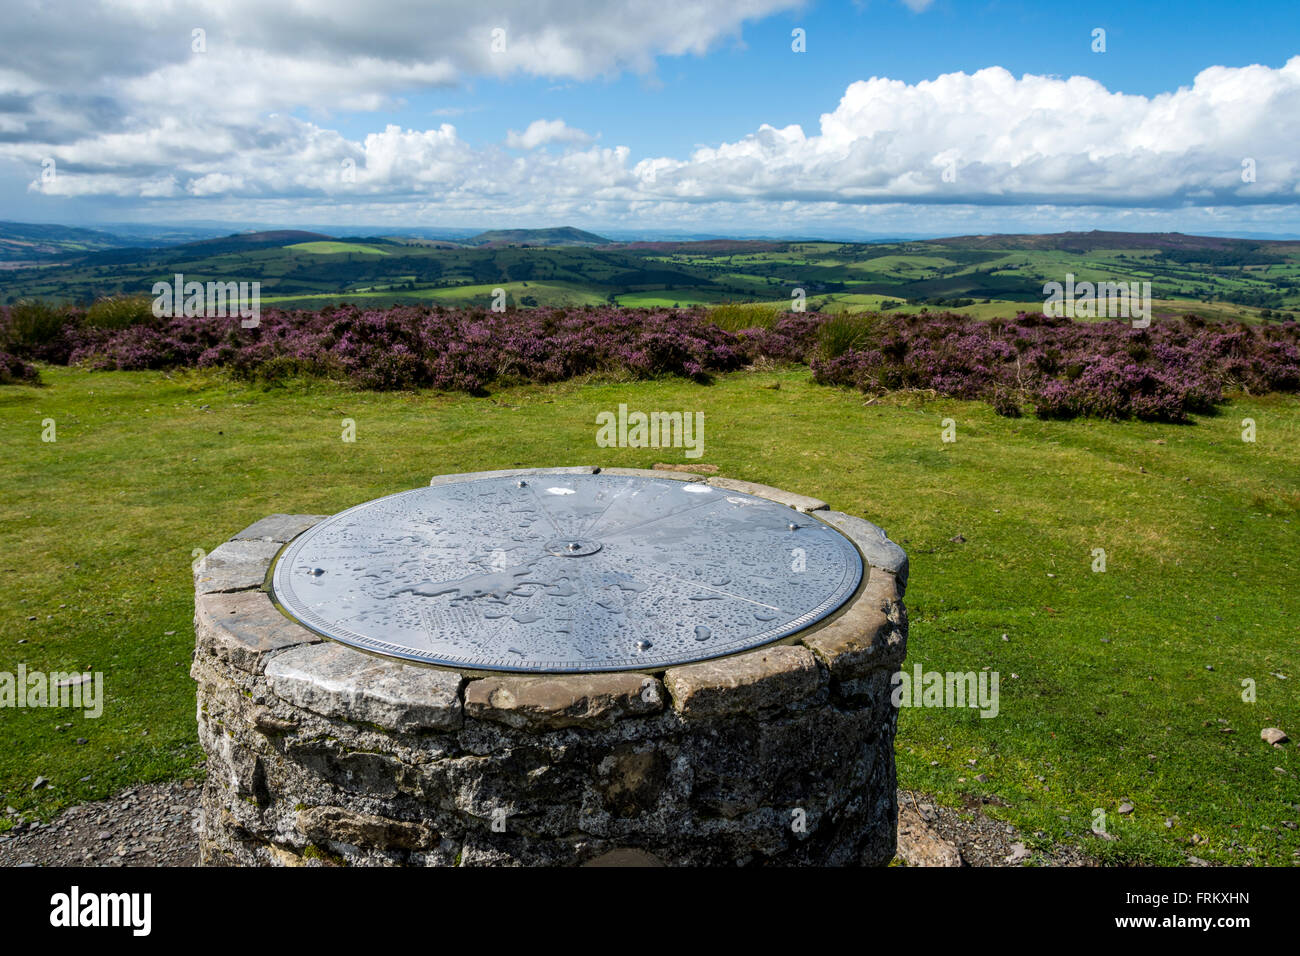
{"x":319,"y":754}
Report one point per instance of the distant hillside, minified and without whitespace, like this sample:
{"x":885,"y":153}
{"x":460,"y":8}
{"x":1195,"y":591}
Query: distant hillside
{"x":988,"y":276}
{"x":30,"y":240}
{"x":248,"y":241}
{"x":127,"y":256}
{"x":707,"y":246}
{"x":562,"y":236}
{"x":1097,"y":239}
{"x":424,"y":243}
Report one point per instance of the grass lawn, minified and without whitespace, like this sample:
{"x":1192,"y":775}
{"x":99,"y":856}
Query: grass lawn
{"x":668,"y":298}
{"x":331,"y":248}
{"x":552,"y":294}
{"x":1120,"y":685}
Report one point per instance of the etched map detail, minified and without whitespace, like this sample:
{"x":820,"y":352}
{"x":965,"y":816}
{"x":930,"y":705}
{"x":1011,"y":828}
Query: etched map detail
{"x":565,"y":573}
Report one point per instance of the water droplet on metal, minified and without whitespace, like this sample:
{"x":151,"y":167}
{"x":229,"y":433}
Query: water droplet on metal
{"x":702,"y":633}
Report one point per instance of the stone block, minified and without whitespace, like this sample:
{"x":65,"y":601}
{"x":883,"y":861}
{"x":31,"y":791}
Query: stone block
{"x":334,"y":680}
{"x":511,"y":472}
{"x":870,"y":633}
{"x":652,"y":473}
{"x":278,"y":528}
{"x":550,"y":701}
{"x":787,"y":498}
{"x":234,"y":566}
{"x":744,"y":683}
{"x":872,"y":541}
{"x":244,"y":629}
{"x":339,"y":825}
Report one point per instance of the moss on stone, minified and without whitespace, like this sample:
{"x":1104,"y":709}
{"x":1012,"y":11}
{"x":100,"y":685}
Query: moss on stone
{"x":317,"y":852}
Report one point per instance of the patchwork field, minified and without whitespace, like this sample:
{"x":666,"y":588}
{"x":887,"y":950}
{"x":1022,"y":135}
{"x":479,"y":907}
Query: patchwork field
{"x":986,"y":276}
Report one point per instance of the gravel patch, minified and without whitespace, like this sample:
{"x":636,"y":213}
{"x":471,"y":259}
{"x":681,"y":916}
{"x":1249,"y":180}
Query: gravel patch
{"x":151,"y":825}
{"x":982,"y":841}
{"x":154,"y":825}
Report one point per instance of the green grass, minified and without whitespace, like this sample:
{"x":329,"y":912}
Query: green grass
{"x":845,"y":331}
{"x":550,"y":294}
{"x":331,"y":248}
{"x":1105,"y":689}
{"x":903,"y":263}
{"x":747,"y":316}
{"x":544,"y":293}
{"x":668,"y":298}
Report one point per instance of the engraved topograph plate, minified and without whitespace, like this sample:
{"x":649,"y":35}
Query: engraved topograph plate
{"x":554,"y":573}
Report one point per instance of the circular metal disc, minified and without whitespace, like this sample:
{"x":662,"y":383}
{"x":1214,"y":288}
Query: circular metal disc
{"x":564,"y":573}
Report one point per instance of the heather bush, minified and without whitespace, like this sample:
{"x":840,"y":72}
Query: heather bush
{"x":1066,"y":369}
{"x":1054,"y":366}
{"x":15,"y":370}
{"x":792,"y":338}
{"x":410,"y":347}
{"x":1005,"y":402}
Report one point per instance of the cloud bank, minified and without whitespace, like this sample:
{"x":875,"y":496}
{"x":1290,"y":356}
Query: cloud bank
{"x":127,"y":107}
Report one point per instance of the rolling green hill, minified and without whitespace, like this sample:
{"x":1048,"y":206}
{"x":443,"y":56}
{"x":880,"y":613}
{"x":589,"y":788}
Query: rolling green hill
{"x":563,"y":236}
{"x":21,"y":241}
{"x":984,"y":275}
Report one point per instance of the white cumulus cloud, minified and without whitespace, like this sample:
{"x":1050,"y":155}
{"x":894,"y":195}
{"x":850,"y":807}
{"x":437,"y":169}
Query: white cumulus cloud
{"x":114,"y":94}
{"x":543,"y":131}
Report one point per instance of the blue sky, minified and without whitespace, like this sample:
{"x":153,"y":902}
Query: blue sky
{"x":690,"y":101}
{"x":683,"y":114}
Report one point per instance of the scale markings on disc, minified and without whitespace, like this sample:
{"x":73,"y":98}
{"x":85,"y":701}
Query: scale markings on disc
{"x":565,"y":573}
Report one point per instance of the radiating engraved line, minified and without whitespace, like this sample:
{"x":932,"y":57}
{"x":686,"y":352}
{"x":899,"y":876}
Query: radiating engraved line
{"x":660,"y":494}
{"x":673,"y":514}
{"x":549,"y":517}
{"x":705,"y":587}
{"x":586,"y":531}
